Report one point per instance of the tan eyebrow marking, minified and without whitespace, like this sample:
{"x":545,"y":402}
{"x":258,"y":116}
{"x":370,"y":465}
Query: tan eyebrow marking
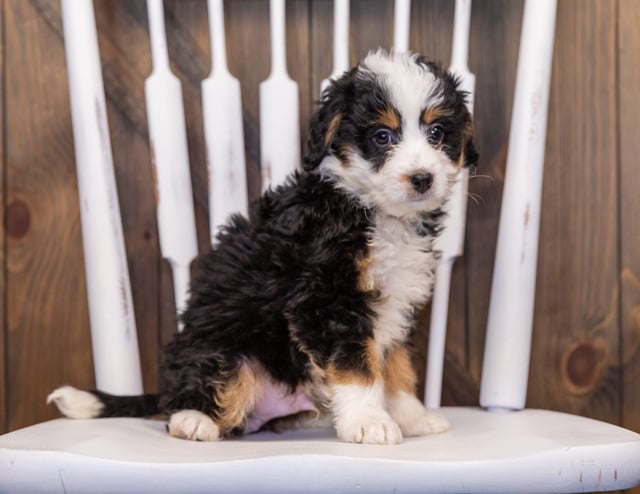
{"x":433,"y":113}
{"x":389,"y":118}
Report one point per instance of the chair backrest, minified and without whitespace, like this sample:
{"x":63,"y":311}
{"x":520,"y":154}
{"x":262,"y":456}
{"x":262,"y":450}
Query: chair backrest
{"x":110,"y":301}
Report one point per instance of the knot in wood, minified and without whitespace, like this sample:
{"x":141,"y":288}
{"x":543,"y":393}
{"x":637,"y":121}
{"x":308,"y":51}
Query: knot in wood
{"x":583,"y":366}
{"x":17,"y":219}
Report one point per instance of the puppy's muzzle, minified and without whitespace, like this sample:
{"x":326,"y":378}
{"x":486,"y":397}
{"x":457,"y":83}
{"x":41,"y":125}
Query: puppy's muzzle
{"x":421,"y":182}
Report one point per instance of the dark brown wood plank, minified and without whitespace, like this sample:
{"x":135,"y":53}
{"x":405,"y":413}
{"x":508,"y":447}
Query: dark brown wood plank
{"x":3,"y":328}
{"x":629,"y":118}
{"x":47,"y":320}
{"x":575,"y":364}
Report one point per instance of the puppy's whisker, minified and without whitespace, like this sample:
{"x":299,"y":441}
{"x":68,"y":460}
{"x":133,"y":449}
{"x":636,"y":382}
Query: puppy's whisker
{"x":488,"y":177}
{"x":477,"y":198}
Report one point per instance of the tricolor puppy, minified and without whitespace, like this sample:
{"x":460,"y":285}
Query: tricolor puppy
{"x":303,"y":311}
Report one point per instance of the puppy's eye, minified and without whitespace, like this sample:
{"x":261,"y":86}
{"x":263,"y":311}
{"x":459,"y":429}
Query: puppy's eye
{"x":436,"y":134}
{"x":383,"y":137}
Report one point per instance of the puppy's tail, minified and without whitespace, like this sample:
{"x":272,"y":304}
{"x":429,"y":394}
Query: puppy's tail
{"x":78,"y":404}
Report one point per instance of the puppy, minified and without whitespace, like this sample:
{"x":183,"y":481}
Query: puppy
{"x":303,"y":311}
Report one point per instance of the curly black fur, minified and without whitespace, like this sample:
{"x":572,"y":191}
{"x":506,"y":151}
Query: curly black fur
{"x":283,"y":278}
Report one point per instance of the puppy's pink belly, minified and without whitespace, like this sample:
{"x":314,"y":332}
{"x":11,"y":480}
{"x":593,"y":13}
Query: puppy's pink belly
{"x":276,"y":401}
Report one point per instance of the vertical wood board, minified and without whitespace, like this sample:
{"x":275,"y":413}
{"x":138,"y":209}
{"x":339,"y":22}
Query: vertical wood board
{"x":629,"y":210}
{"x":575,"y":337}
{"x":3,"y":359}
{"x":47,"y":321}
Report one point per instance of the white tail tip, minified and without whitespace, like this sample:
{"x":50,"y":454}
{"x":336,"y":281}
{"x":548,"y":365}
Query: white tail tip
{"x":76,"y":404}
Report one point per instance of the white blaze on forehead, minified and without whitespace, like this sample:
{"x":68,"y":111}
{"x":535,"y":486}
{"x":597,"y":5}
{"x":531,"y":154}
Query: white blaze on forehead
{"x":411,"y":87}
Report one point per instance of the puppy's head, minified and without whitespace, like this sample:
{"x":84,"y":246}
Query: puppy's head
{"x":394,"y":131}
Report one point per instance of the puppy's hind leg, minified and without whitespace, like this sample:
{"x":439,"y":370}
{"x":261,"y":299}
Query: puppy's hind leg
{"x":233,"y":397}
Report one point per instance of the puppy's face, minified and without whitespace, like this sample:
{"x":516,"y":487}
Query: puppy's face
{"x":394,"y":131}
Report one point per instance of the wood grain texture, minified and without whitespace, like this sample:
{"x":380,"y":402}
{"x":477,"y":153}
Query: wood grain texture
{"x":576,"y":319}
{"x":629,"y":201}
{"x":47,"y":326}
{"x":3,"y":360}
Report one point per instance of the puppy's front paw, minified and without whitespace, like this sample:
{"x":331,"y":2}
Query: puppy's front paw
{"x":373,"y":428}
{"x":424,"y":424}
{"x":194,"y":425}
{"x":413,"y":418}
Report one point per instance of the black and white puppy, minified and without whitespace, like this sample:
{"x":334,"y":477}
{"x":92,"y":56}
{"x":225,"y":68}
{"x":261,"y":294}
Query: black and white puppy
{"x":304,"y":310}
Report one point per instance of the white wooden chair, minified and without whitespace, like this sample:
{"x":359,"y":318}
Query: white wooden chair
{"x":487,"y":450}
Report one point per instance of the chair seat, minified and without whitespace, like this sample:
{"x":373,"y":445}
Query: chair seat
{"x":527,"y":451}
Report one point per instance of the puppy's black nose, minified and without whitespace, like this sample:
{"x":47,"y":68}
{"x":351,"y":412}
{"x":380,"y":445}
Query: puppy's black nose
{"x":421,"y":182}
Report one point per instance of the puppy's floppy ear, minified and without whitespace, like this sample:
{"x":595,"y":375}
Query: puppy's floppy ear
{"x":470,"y":154}
{"x":324,"y":125}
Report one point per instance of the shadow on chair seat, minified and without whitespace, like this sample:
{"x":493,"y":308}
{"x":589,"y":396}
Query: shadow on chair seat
{"x":527,"y":451}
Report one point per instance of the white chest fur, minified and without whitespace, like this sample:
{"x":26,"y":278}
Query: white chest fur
{"x":401,"y":266}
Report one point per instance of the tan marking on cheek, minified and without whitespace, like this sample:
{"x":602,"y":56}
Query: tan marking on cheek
{"x":467,"y":134}
{"x":366,"y":376}
{"x":389,"y":118}
{"x":398,"y":372}
{"x":332,"y":129}
{"x":237,"y":397}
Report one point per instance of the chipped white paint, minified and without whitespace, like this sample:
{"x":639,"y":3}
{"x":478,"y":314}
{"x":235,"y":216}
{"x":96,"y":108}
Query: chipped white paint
{"x":113,"y":328}
{"x":170,"y":159}
{"x":508,"y":343}
{"x":223,"y":132}
{"x":279,"y":109}
{"x":451,"y":242}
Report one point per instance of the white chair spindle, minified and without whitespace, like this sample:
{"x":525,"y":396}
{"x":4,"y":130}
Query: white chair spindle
{"x":508,"y":342}
{"x":113,"y":327}
{"x":170,"y":160}
{"x":401,"y":23}
{"x":279,"y":109}
{"x":224,"y":135}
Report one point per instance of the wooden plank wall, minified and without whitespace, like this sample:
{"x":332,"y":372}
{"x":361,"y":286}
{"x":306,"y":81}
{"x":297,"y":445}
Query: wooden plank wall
{"x":587,"y":321}
{"x":629,"y":204}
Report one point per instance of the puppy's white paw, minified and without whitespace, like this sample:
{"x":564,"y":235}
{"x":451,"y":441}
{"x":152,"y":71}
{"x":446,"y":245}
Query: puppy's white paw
{"x":76,"y":404}
{"x":413,"y":418}
{"x":424,"y":424}
{"x":193,"y":425}
{"x":372,"y":428}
